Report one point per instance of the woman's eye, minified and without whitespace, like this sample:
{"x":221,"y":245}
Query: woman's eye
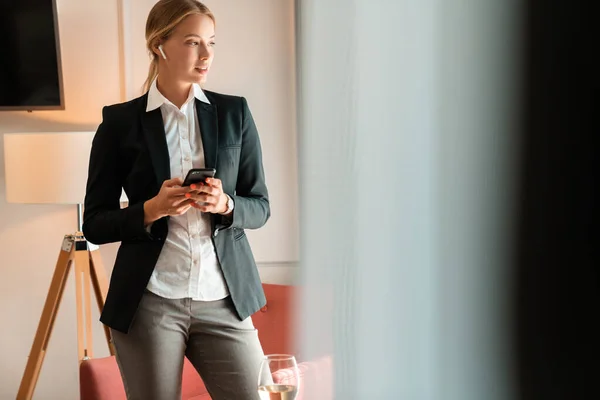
{"x":193,"y":43}
{"x":212,"y":43}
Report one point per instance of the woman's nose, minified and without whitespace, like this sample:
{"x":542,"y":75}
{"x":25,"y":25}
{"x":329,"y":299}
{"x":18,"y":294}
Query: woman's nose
{"x":203,"y":52}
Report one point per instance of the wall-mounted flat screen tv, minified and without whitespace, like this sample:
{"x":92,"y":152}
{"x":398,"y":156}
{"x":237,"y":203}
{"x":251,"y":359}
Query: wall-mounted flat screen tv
{"x":30,"y":68}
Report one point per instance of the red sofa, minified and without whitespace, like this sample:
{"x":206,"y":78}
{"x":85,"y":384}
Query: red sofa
{"x":99,"y":378}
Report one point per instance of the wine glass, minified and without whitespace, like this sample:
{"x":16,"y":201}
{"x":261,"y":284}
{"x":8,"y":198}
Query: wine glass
{"x":278,"y":378}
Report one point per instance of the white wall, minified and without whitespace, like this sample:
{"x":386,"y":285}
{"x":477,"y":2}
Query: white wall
{"x":257,"y":34}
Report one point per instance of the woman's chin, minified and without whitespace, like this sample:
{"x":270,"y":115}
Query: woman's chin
{"x":198,"y":78}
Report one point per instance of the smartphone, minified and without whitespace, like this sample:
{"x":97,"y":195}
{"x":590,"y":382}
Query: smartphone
{"x":197,"y":175}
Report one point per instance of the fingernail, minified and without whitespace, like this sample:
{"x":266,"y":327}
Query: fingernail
{"x":188,"y":195}
{"x":193,"y":186}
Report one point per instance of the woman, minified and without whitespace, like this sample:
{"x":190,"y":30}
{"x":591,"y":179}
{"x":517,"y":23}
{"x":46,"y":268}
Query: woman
{"x":184,"y":282}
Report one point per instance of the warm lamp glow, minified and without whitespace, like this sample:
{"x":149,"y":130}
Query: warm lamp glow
{"x":47,"y":168}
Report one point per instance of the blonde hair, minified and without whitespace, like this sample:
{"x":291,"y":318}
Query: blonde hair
{"x":162,"y":20}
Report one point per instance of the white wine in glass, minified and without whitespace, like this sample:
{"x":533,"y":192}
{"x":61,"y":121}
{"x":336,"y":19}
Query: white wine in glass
{"x":284,"y":388}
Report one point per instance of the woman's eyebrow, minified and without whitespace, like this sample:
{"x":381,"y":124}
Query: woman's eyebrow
{"x":198,"y":36}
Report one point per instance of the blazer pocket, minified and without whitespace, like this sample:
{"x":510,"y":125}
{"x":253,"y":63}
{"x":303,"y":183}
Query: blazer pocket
{"x":238,"y":234}
{"x":228,"y":157}
{"x":230,"y":146}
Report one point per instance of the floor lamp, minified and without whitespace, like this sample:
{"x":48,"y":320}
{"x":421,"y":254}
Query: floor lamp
{"x":61,"y":159}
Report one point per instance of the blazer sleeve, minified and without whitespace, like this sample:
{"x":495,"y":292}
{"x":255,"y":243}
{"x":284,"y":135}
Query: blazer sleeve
{"x":103,"y":219}
{"x":251,"y":198}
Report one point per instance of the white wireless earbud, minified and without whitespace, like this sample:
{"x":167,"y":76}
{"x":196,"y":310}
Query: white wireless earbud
{"x":162,"y":52}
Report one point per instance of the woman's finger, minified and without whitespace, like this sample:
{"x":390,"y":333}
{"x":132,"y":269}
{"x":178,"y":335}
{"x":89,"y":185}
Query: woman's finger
{"x":183,"y":202}
{"x":180,"y":208}
{"x":205,"y":189}
{"x":205,"y":207}
{"x":201,"y":197}
{"x":177,"y":201}
{"x":179,"y":191}
{"x":174,"y":182}
{"x":215,"y":182}
{"x":208,"y":208}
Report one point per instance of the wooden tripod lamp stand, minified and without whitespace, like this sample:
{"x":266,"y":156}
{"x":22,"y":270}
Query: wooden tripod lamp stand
{"x":51,"y":168}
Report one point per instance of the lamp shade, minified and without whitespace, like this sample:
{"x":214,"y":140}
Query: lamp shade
{"x":47,"y":168}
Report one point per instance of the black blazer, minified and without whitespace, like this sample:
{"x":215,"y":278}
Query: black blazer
{"x":130,"y":151}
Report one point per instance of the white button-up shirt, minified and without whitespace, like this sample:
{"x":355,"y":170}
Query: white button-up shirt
{"x":188,"y":264}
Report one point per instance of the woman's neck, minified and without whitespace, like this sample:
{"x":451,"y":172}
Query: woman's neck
{"x":176,"y":92}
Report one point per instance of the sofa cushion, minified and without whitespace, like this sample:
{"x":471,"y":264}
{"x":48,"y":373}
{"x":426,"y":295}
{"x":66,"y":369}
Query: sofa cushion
{"x":275,"y":320}
{"x":100,"y":379}
{"x":192,"y":386}
{"x":201,"y":397}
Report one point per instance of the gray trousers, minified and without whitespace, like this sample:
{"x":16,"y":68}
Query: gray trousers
{"x":225,"y":351}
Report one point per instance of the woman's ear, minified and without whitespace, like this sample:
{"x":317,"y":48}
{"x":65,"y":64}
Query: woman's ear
{"x":155,"y":49}
{"x":162,"y":53}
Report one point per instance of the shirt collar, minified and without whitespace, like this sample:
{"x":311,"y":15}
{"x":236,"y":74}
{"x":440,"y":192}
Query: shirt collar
{"x":156,"y":99}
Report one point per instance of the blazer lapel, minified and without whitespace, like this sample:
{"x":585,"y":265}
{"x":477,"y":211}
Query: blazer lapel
{"x":209,"y":130}
{"x":154,"y":131}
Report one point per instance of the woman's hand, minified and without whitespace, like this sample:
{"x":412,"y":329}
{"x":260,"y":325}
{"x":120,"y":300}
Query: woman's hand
{"x":209,"y":196}
{"x":170,"y":200}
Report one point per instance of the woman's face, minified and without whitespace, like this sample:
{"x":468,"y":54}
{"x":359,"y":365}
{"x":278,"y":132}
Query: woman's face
{"x":189,"y":50}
